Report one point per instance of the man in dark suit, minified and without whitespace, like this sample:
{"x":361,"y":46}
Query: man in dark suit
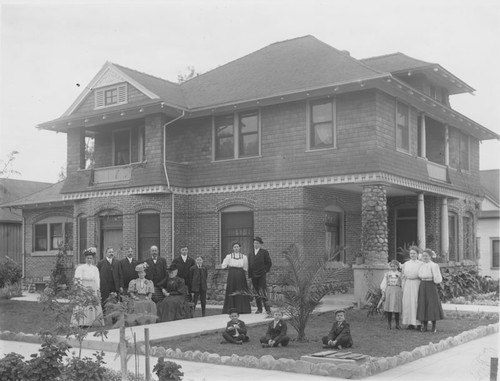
{"x":259,"y":264}
{"x":156,"y":272}
{"x":109,"y":274}
{"x":198,"y":275}
{"x":127,"y":270}
{"x":183,"y":263}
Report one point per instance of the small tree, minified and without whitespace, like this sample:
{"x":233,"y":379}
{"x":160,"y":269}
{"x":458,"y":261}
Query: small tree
{"x":6,"y":165}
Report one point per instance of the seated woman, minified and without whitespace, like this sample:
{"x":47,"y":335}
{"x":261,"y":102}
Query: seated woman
{"x":175,"y":306}
{"x":141,"y":290}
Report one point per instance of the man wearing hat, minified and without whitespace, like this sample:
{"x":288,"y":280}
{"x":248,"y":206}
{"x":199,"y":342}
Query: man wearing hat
{"x":259,"y":264}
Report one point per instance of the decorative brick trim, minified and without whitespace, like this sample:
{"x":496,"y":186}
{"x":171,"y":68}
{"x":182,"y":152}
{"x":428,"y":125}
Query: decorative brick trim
{"x":235,"y":201}
{"x":145,"y":205}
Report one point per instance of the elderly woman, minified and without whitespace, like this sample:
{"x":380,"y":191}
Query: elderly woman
{"x":89,"y":314}
{"x":429,"y":306}
{"x":175,"y":305}
{"x":237,"y":263}
{"x":141,"y":290}
{"x":411,"y":284}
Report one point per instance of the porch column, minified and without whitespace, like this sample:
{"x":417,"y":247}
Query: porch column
{"x":423,"y":148}
{"x":445,"y":231}
{"x":374,"y":242}
{"x":446,"y":146}
{"x":421,"y":221}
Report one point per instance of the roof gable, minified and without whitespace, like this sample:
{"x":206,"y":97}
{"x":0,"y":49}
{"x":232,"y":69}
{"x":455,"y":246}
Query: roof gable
{"x":109,"y":75}
{"x":490,"y":182}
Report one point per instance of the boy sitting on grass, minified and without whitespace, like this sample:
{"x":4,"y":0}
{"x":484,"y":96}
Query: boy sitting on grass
{"x":236,"y":331}
{"x":276,"y":332}
{"x":340,"y":334}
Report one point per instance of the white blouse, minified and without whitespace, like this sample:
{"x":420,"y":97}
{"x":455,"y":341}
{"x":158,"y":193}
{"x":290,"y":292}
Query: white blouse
{"x":235,"y":260}
{"x":410,"y":268}
{"x":430,"y":271}
{"x":89,"y":275}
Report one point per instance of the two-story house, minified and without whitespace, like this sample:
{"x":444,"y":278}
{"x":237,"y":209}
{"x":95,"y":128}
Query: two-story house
{"x":297,"y":142}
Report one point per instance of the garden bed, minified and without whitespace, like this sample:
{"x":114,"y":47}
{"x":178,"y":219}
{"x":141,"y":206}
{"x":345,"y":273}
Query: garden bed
{"x":370,"y":336}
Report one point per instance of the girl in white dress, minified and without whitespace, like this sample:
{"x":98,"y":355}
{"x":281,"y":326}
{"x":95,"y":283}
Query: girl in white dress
{"x":411,"y":284}
{"x":88,"y":275}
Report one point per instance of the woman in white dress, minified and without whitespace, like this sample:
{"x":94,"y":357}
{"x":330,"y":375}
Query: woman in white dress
{"x":411,"y":284}
{"x":87,"y":274}
{"x":237,"y":263}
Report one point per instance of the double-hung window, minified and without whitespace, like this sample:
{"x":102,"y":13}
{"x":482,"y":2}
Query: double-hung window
{"x":110,"y":96}
{"x":51,"y":234}
{"x":459,"y":150}
{"x":495,"y":253}
{"x":322,"y":124}
{"x":402,"y":127}
{"x":237,"y":135}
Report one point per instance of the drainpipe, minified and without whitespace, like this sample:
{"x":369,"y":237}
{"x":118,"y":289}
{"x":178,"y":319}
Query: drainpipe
{"x":166,"y":176}
{"x":22,"y":246}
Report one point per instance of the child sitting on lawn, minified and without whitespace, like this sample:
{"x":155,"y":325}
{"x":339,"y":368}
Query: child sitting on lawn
{"x":236,"y":331}
{"x":276,"y":332}
{"x":340,"y":334}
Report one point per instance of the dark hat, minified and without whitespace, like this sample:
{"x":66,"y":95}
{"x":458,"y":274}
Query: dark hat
{"x":233,"y":311}
{"x":258,"y":239}
{"x":172,"y":267}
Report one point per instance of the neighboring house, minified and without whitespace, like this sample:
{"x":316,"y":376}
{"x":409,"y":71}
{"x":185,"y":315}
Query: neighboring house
{"x":11,"y":220}
{"x":297,"y":142}
{"x":488,"y":224}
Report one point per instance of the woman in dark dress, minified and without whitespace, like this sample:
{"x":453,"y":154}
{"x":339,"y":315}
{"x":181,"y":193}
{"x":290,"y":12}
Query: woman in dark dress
{"x":175,"y":305}
{"x":237,"y":263}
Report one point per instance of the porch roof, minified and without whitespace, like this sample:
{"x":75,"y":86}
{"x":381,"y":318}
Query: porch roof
{"x":49,"y":195}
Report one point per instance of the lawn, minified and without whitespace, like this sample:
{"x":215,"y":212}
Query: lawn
{"x":29,"y":317}
{"x":370,"y":336}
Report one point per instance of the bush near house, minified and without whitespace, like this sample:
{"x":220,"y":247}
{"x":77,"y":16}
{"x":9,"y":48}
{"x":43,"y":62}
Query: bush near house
{"x":10,"y":272}
{"x":464,"y":283}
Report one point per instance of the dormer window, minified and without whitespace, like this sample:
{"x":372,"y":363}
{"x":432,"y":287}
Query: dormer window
{"x":111,"y":96}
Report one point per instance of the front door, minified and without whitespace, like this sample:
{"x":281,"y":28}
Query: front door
{"x":111,"y":235}
{"x":406,"y":231}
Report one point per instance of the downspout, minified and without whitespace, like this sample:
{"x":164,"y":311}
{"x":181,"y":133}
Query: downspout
{"x":168,"y":181}
{"x":22,"y":247}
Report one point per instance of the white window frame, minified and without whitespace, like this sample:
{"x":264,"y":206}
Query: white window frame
{"x":309,"y":105}
{"x":100,"y":96}
{"x":236,"y":135}
{"x":47,"y":222}
{"x":408,"y":126}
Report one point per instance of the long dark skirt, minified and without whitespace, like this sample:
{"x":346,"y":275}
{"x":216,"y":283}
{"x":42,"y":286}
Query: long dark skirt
{"x":236,"y":281}
{"x":429,"y":306}
{"x":174,"y":307}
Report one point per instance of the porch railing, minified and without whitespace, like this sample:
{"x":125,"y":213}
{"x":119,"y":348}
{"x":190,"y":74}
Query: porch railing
{"x":437,"y":171}
{"x":112,"y":174}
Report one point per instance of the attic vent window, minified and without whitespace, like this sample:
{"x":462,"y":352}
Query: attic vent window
{"x":111,"y":96}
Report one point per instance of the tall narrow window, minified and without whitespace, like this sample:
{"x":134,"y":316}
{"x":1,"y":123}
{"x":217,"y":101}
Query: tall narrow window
{"x":334,"y":233}
{"x":236,"y":225}
{"x":459,"y":150}
{"x":82,"y":237}
{"x":224,"y":137}
{"x":402,"y":127}
{"x":464,"y":152}
{"x":148,"y":231}
{"x":322,"y":125}
{"x":248,"y":125}
{"x":495,"y":255}
{"x":41,"y":237}
{"x":468,"y":237}
{"x":453,"y":237}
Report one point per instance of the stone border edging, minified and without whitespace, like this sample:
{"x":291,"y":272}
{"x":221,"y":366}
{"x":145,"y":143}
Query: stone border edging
{"x":373,"y":366}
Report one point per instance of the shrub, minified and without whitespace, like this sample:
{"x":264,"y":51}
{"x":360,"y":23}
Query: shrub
{"x":46,"y":365}
{"x":11,"y":367}
{"x":167,"y":370}
{"x":465,"y":282}
{"x":10,"y":272}
{"x":85,"y":369}
{"x":114,"y":375}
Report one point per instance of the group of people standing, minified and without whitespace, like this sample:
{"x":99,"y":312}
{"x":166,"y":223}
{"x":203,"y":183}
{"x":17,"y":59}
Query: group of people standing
{"x":413,"y":292}
{"x":167,"y":293}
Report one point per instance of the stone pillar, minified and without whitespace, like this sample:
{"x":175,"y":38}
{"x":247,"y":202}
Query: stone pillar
{"x":423,"y":147}
{"x":421,"y":221}
{"x":374,"y":242}
{"x":445,"y":231}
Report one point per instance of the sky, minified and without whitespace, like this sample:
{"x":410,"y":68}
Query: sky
{"x":47,"y":48}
